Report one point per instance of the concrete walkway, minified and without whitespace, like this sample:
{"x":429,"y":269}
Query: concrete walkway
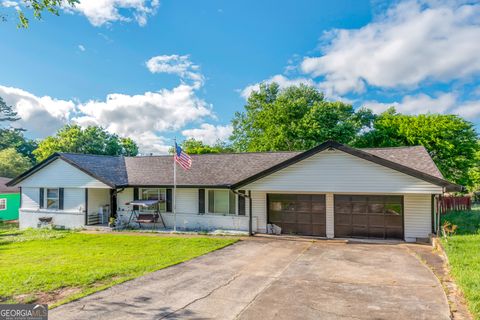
{"x":277,"y":279}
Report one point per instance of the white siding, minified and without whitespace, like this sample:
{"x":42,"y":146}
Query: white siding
{"x":73,"y":201}
{"x":329,"y":204}
{"x":337,"y":171}
{"x":418,"y":216}
{"x":29,"y":219}
{"x":187,"y":200}
{"x":259,"y":210}
{"x":30,"y":198}
{"x":122,"y":198}
{"x":72,"y":216}
{"x":60,"y":174}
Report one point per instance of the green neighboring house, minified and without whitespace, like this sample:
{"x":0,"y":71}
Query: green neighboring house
{"x":9,"y":200}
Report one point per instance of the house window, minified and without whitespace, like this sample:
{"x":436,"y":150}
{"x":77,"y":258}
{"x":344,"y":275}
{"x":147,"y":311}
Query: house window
{"x":221,"y":202}
{"x":52,"y":198}
{"x":154,"y":194}
{"x":3,"y":204}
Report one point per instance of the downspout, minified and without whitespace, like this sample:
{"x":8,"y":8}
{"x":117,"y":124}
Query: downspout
{"x":250,"y":217}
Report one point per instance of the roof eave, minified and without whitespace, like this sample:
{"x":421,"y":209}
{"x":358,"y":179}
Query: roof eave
{"x":49,"y":160}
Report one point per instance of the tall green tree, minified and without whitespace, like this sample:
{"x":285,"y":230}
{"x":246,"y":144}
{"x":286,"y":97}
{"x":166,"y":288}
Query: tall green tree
{"x":91,"y":140}
{"x":12,"y":163}
{"x":38,"y":7}
{"x":451,"y":140}
{"x":14,"y":138}
{"x":7,"y":114}
{"x":296,"y":118}
{"x":192,"y":146}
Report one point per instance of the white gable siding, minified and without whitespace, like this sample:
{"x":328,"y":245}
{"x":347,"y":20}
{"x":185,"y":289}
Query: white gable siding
{"x":337,"y":171}
{"x":418,"y":216}
{"x":61,"y":174}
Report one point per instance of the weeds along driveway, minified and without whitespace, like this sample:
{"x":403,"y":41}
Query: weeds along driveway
{"x":277,"y":279}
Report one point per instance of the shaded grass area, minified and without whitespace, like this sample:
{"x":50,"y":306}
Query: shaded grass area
{"x":463,"y":250}
{"x":60,"y":266}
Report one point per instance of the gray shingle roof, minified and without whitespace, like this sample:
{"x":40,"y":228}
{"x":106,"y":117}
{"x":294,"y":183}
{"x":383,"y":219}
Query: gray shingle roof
{"x":108,"y":169}
{"x":416,"y":157}
{"x":207,"y":169}
{"x":229,"y":168}
{"x":220,"y":169}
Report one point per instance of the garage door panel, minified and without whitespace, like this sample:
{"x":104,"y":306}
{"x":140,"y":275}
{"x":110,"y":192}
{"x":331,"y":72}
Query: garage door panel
{"x":304,"y":217}
{"x":369,"y":216}
{"x":298,"y":213}
{"x":318,"y":218}
{"x":358,"y":231}
{"x":394,"y":233}
{"x":318,"y":229}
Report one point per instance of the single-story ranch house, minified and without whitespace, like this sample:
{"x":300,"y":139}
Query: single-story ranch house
{"x":329,"y":191}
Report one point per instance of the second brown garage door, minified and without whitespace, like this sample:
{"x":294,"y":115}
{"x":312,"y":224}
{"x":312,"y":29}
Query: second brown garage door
{"x":368,"y":216}
{"x":302,"y":214}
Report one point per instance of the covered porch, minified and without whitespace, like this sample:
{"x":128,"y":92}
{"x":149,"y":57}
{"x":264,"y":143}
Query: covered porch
{"x":101,"y":205}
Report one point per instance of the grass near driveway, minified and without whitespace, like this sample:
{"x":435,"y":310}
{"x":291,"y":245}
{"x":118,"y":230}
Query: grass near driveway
{"x":55,"y":267}
{"x":463,"y":250}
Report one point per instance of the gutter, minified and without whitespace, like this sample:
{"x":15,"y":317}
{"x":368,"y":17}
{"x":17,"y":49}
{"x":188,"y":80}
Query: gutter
{"x":250,"y":217}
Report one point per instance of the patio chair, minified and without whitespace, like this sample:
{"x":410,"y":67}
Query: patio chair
{"x":147,"y":218}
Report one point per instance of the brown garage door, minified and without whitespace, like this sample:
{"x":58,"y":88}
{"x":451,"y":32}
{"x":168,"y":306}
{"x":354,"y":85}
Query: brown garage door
{"x":298,"y":213}
{"x":368,"y":216}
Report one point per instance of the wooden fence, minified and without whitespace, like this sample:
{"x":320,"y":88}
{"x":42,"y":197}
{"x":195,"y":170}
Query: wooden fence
{"x":450,"y":203}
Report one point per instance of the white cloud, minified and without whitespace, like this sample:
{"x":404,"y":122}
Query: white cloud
{"x":101,"y":12}
{"x":81,"y":47}
{"x":178,"y":65}
{"x":41,"y":116}
{"x":281,"y":80}
{"x":209,"y":133}
{"x":422,"y":103}
{"x":143,"y":117}
{"x":10,"y":4}
{"x":413,"y":42}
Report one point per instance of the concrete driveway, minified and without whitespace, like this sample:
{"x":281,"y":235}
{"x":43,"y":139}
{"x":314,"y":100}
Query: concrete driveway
{"x":277,"y":279}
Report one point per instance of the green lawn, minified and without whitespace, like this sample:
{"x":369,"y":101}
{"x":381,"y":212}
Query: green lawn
{"x":463,"y":250}
{"x":59,"y":266}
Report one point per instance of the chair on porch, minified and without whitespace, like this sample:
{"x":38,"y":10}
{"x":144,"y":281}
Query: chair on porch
{"x":145,"y":217}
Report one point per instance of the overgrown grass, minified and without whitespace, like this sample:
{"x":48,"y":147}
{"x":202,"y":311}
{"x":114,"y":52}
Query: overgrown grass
{"x":463,"y":250}
{"x":60,"y":266}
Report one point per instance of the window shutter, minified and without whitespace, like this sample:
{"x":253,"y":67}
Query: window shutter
{"x":40,"y":198}
{"x":201,"y":201}
{"x":135,"y":197}
{"x":60,"y":198}
{"x":231,"y":202}
{"x":20,"y":188}
{"x":241,"y":204}
{"x":211,"y":201}
{"x":169,"y":200}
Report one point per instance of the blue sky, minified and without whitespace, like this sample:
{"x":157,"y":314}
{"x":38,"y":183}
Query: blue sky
{"x":154,"y":70}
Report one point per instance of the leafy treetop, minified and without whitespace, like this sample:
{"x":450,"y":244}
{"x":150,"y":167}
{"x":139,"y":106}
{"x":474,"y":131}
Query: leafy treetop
{"x":91,"y":140}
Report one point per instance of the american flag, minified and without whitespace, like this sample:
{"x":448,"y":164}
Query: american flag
{"x":183,"y":159}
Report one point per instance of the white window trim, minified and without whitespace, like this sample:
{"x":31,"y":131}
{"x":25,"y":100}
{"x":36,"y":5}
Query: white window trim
{"x":207,"y":203}
{"x":4,"y":200}
{"x":58,"y":199}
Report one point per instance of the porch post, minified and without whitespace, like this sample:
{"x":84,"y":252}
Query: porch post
{"x":86,"y":206}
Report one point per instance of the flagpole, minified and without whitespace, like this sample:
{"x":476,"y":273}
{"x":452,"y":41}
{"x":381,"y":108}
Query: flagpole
{"x":174,"y":186}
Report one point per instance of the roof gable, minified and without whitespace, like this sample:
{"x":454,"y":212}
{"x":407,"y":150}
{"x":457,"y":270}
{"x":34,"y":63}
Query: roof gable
{"x":370,"y":156}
